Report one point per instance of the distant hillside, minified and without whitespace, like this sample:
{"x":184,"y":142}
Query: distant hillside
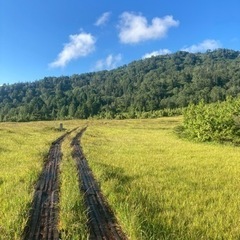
{"x":167,"y":81}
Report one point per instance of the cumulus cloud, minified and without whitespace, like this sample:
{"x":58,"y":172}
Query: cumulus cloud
{"x":79,"y":45}
{"x":208,"y":44}
{"x":156,"y":53}
{"x":109,"y":62}
{"x":103,"y":19}
{"x":135,"y":28}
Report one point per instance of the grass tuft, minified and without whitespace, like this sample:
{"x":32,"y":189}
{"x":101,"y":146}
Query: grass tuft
{"x":73,"y":217}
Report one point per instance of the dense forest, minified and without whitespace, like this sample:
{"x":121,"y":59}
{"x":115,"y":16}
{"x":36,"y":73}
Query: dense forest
{"x":169,"y":81}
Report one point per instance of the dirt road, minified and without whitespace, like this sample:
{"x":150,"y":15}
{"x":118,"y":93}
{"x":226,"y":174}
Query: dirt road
{"x":43,"y":216}
{"x":102,"y":222}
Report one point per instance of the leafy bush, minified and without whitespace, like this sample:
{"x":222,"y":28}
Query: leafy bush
{"x":213,"y":122}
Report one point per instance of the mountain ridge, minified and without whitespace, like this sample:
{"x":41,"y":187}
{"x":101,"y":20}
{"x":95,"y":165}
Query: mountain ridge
{"x":151,"y":84}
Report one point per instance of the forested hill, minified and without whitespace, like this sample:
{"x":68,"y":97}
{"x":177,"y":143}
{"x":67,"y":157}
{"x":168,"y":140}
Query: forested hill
{"x":167,"y":81}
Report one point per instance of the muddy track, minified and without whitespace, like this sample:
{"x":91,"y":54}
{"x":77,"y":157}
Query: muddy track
{"x":102,"y":222}
{"x":43,"y":216}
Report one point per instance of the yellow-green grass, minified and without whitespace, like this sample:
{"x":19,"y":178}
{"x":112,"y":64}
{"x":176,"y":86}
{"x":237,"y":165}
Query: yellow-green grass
{"x":160,"y":186}
{"x":73,"y":217}
{"x":164,"y":187}
{"x":23,"y":148}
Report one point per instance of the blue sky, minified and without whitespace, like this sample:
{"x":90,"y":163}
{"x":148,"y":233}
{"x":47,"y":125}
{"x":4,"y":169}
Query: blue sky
{"x":41,"y":38}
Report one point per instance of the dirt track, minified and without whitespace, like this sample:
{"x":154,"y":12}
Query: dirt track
{"x":102,"y":223}
{"x":43,"y":217}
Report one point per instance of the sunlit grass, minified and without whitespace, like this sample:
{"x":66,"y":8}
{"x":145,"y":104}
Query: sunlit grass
{"x":160,"y":186}
{"x":23,"y":148}
{"x":163,"y":187}
{"x":73,"y":219}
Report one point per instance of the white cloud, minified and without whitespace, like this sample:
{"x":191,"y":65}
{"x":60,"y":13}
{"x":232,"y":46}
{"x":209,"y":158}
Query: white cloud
{"x":135,"y":28}
{"x":208,"y":44}
{"x":80,"y":45}
{"x":109,"y":63}
{"x":156,"y":53}
{"x":103,"y":19}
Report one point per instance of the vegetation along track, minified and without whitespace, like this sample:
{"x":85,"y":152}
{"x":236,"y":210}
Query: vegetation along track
{"x":102,"y":222}
{"x":43,"y":217}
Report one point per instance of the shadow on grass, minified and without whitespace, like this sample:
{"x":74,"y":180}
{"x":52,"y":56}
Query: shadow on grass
{"x":1,"y":181}
{"x":139,"y":203}
{"x":2,"y":150}
{"x":116,"y":175}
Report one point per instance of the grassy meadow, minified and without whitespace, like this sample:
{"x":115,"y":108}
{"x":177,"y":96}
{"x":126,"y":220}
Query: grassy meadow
{"x":164,"y":187}
{"x":159,"y":186}
{"x":23,"y":148}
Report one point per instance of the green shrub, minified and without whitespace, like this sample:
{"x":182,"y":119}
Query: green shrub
{"x":213,"y":122}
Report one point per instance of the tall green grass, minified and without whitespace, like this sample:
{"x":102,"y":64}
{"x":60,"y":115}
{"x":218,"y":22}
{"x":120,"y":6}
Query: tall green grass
{"x":163,"y":187}
{"x":160,"y":186}
{"x":23,"y":148}
{"x":73,"y":217}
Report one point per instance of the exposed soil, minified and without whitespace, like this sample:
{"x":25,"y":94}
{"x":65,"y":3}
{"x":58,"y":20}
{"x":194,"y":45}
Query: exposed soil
{"x":102,"y":222}
{"x":43,"y":217}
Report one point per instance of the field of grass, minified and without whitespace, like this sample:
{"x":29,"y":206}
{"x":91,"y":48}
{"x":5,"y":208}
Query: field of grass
{"x":163,"y":187}
{"x":159,"y":186}
{"x":73,"y":216}
{"x":23,"y":148}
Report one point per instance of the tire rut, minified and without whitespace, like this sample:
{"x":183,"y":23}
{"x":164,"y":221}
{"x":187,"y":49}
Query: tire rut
{"x":102,"y":222}
{"x":43,"y":216}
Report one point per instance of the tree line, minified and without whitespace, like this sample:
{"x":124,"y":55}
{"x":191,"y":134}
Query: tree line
{"x":150,"y":87}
